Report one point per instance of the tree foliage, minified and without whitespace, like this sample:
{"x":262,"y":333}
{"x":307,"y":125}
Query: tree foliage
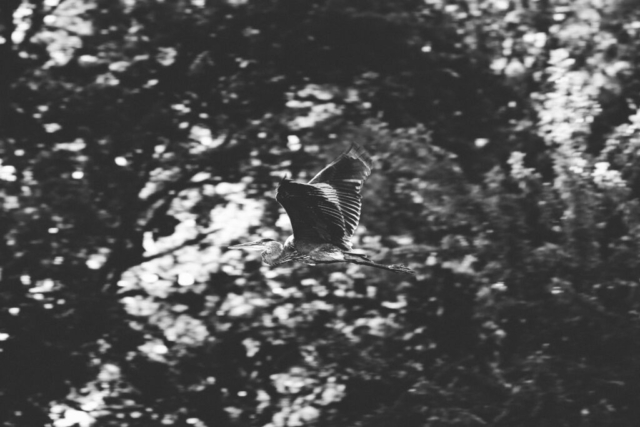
{"x":139,"y":139}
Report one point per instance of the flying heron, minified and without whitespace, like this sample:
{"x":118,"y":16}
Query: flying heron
{"x":324,"y":214}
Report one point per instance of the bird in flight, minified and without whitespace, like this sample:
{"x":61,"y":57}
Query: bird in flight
{"x":324,"y":214}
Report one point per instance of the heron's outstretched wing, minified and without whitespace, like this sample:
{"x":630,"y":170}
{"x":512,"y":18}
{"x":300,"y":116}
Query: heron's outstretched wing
{"x":327,"y":209}
{"x":354,"y":166}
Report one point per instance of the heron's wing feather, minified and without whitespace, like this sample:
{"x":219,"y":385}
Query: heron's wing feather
{"x":346,"y":175}
{"x":354,"y":165}
{"x":327,"y":209}
{"x":314,"y":212}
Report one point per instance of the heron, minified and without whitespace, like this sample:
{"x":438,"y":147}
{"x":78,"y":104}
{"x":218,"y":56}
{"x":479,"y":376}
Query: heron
{"x":324,"y":214}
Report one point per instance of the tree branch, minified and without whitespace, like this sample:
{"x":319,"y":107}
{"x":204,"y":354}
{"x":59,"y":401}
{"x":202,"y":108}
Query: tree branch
{"x":200,"y":237}
{"x":7,"y":54}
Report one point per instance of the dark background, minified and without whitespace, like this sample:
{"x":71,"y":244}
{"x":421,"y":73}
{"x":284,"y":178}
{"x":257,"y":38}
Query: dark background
{"x":138,"y":139}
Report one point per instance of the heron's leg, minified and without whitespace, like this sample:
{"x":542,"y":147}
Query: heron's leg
{"x":363,"y":256}
{"x":363,"y":260}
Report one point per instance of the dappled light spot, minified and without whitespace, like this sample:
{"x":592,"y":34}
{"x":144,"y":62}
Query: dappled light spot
{"x":88,"y":60}
{"x":283,"y":222}
{"x":252,"y":346}
{"x":166,"y":55}
{"x":96,"y":261}
{"x":107,"y":79}
{"x":140,"y":306}
{"x":201,"y":176}
{"x":395,"y":305}
{"x":204,"y":136}
{"x":340,"y":278}
{"x":77,"y":145}
{"x":52,"y":127}
{"x":46,"y":285}
{"x":293,"y":142}
{"x":241,"y":305}
{"x":499,"y":286}
{"x":155,"y":350}
{"x":481,"y":142}
{"x":332,"y":392}
{"x":184,"y":329}
{"x":149,"y":277}
{"x":292,"y":382}
{"x":149,"y":242}
{"x":605,"y":177}
{"x":317,"y":113}
{"x":73,"y":418}
{"x":283,"y":312}
{"x":309,"y":282}
{"x":109,"y":372}
{"x":7,"y":172}
{"x":119,"y":66}
{"x":186,"y":279}
{"x":538,"y":39}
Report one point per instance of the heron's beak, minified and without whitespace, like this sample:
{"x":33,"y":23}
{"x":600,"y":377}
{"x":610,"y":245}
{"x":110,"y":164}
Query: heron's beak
{"x":256,"y":245}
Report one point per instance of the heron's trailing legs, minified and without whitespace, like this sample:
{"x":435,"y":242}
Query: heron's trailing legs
{"x":361,"y":259}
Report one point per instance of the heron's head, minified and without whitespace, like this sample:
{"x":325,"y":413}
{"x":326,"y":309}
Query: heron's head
{"x":256,"y":245}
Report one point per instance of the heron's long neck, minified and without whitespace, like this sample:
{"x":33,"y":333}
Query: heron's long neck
{"x":273,"y":253}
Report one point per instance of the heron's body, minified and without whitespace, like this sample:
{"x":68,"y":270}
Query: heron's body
{"x":324,"y":214}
